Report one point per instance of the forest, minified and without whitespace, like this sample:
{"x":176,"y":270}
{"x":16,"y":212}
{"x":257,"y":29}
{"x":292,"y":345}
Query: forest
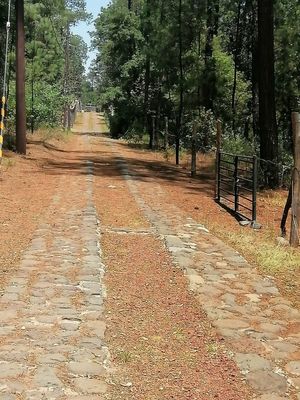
{"x":197,"y":61}
{"x":55,"y":61}
{"x":186,"y":63}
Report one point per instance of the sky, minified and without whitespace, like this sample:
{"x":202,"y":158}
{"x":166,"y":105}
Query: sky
{"x":83,"y":29}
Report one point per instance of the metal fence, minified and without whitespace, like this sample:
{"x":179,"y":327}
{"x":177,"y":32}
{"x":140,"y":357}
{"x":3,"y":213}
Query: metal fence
{"x":237,"y":184}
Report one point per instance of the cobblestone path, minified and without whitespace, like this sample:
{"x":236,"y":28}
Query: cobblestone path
{"x":51,"y":321}
{"x":258,"y":325}
{"x":51,"y":313}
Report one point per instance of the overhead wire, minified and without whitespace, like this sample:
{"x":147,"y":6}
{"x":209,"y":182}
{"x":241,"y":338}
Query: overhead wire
{"x":6,"y":49}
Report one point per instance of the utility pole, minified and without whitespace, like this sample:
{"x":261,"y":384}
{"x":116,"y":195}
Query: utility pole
{"x":67,"y":123}
{"x":20,"y":80}
{"x":32,"y":80}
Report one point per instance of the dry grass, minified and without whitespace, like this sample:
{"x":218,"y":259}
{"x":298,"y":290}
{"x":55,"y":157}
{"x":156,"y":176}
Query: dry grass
{"x":259,"y":247}
{"x":48,"y":135}
{"x":196,"y":198}
{"x":262,"y":250}
{"x":7,"y":162}
{"x":270,"y":257}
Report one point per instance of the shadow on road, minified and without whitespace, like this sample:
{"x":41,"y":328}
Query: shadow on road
{"x":107,"y":163}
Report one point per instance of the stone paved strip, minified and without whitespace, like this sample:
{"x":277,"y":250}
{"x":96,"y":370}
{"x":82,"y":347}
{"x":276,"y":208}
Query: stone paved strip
{"x":51,"y":313}
{"x":260,"y":327}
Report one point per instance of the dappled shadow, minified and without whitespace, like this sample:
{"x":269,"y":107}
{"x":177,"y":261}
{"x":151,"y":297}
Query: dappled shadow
{"x":109,"y":164}
{"x":92,"y":133}
{"x":230,"y":211}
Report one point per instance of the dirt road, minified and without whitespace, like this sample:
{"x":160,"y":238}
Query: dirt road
{"x":122,"y":295}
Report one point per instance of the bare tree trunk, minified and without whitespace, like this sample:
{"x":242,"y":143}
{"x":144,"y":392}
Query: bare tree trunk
{"x":266,"y":81}
{"x":180,"y":109}
{"x":146,"y":99}
{"x":285,"y":214}
{"x":254,"y":73}
{"x":20,"y":80}
{"x":236,"y":55}
{"x":295,"y":207}
{"x":199,"y":31}
{"x":209,"y":82}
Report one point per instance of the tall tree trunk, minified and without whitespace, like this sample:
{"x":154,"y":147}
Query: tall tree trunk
{"x":199,"y":57}
{"x":209,"y":67}
{"x":254,"y":71}
{"x":181,"y":89}
{"x":146,"y":99}
{"x":236,"y":56}
{"x":147,"y":118}
{"x":20,"y":80}
{"x":209,"y":78}
{"x":266,"y":81}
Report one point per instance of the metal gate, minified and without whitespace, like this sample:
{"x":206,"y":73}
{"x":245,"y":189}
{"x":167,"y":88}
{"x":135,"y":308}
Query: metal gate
{"x":237,"y":184}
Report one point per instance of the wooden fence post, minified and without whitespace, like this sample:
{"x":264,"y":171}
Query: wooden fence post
{"x":166,"y":144}
{"x":218,"y":149}
{"x":219,"y":135}
{"x":194,"y":152}
{"x":154,"y":132}
{"x":294,"y":239}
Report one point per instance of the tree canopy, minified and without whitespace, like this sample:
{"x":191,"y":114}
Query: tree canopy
{"x":187,"y":60}
{"x":55,"y":58}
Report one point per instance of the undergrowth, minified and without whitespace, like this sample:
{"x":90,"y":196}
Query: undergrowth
{"x":49,"y":134}
{"x":264,"y":251}
{"x":7,"y":162}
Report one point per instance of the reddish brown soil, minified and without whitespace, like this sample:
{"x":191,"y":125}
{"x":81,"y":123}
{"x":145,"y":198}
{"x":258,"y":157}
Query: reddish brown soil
{"x":27,"y":186}
{"x":158,"y":335}
{"x":157,"y":330}
{"x":25,"y":193}
{"x":160,"y":339}
{"x":196,"y":197}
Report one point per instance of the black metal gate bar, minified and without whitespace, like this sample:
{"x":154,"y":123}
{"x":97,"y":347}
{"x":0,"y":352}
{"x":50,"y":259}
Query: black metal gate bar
{"x":242,"y":179}
{"x":254,"y":193}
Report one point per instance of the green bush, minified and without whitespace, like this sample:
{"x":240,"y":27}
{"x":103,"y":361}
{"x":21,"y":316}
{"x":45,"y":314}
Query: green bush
{"x":48,"y":105}
{"x":237,"y":145}
{"x":203,"y":126}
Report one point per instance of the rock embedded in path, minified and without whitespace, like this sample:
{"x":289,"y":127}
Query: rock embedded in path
{"x":271,"y":396}
{"x":90,"y":386}
{"x":11,"y":370}
{"x":87,"y":369}
{"x":252,"y":362}
{"x":293,"y":368}
{"x":231,"y":324}
{"x":267,"y":381}
{"x":46,"y":377}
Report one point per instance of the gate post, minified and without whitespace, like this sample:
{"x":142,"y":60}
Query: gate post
{"x":236,"y":184}
{"x":254,"y":189}
{"x":218,"y":177}
{"x":194,"y":152}
{"x":166,"y":143}
{"x":218,"y":160}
